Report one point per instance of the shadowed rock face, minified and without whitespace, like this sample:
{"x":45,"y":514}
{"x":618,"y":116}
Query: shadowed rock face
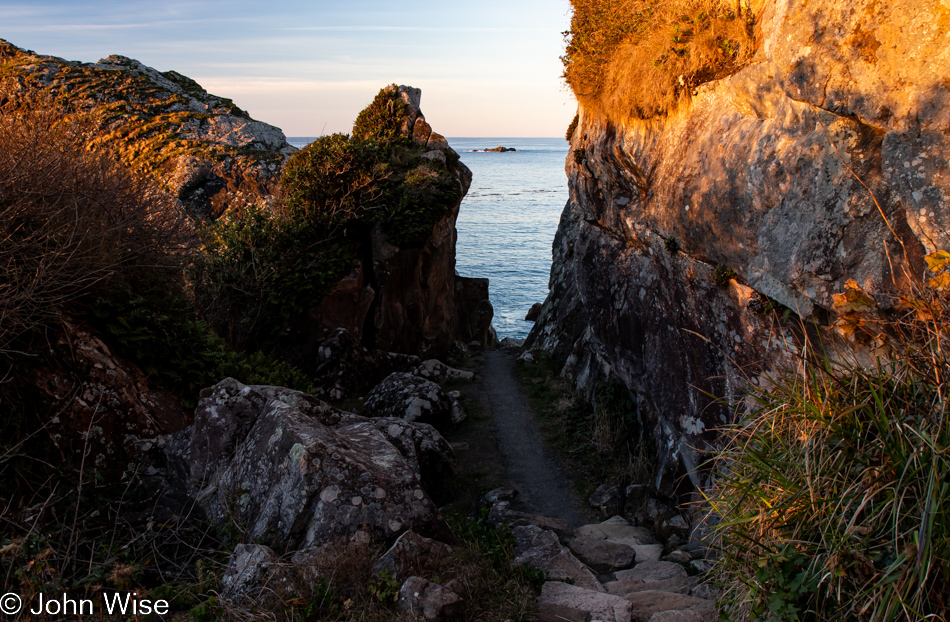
{"x":289,"y":471}
{"x":753,"y":177}
{"x":201,"y":147}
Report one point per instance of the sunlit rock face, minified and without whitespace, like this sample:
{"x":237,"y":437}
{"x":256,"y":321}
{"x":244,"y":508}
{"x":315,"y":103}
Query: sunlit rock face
{"x":204,"y":149}
{"x":825,"y":159}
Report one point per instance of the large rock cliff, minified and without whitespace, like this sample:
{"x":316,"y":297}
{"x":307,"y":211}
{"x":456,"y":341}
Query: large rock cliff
{"x":693,"y":245}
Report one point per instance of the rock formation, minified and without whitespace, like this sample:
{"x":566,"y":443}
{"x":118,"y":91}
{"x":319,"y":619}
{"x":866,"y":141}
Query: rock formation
{"x":405,"y":299}
{"x":692,"y":244}
{"x":201,"y":147}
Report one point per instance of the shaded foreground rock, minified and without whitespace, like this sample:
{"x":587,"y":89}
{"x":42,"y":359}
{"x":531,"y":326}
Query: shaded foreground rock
{"x":651,"y":572}
{"x":290,"y":480}
{"x":255,"y":574}
{"x":602,"y":555}
{"x":617,"y":532}
{"x":653,"y":606}
{"x":676,"y":585}
{"x":560,"y":601}
{"x":541,"y":549}
{"x":430,"y":600}
{"x":412,"y":554}
{"x":411,"y":398}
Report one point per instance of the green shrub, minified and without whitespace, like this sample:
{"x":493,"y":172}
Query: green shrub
{"x":671,"y":245}
{"x":834,"y":491}
{"x":380,"y":120}
{"x":151,"y":322}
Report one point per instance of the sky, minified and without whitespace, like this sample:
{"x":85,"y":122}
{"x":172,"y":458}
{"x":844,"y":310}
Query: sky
{"x":486,"y":68}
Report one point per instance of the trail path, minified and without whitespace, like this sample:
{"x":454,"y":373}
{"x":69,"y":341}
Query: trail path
{"x":543,"y":485}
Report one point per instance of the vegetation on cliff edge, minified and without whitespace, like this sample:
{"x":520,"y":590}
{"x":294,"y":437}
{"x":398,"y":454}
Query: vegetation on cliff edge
{"x":834,"y":488}
{"x":639,"y":59}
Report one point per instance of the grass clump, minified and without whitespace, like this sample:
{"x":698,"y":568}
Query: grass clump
{"x":834,"y":490}
{"x":722,"y":274}
{"x":639,"y":59}
{"x":671,"y":245}
{"x":569,"y":134}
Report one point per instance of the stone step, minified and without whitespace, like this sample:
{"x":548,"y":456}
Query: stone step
{"x":560,"y":602}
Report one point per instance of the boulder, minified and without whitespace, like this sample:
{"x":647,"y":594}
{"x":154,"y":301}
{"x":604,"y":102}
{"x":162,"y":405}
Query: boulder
{"x":426,"y":451}
{"x":606,"y":499}
{"x":290,"y":481}
{"x":649,"y":604}
{"x":437,"y":371}
{"x":409,"y":397}
{"x":255,"y":575}
{"x":458,"y":411}
{"x":560,"y":601}
{"x":510,"y":343}
{"x":617,"y":533}
{"x":676,"y":585}
{"x":502,"y":514}
{"x":412,"y":554}
{"x":498,"y":495}
{"x":602,"y":555}
{"x":421,"y":597}
{"x":344,"y":368}
{"x":648,"y":552}
{"x":474,"y":313}
{"x":540,"y":548}
{"x":678,"y":556}
{"x":533,"y":312}
{"x":651,"y":572}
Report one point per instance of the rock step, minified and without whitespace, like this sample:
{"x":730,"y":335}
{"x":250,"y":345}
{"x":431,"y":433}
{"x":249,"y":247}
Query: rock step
{"x":560,"y":602}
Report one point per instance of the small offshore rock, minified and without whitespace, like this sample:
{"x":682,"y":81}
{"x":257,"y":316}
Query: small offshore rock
{"x":430,"y":600}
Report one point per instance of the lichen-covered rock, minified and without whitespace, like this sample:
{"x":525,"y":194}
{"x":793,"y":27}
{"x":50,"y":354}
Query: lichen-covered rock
{"x":426,"y":451}
{"x":204,"y":149}
{"x":412,"y":554}
{"x":759,"y":175}
{"x":651,"y":572}
{"x":345,"y":368}
{"x":409,"y":397}
{"x":256,"y":575}
{"x":287,"y":480}
{"x":437,"y":371}
{"x":429,"y":600}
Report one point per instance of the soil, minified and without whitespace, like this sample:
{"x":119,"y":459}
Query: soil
{"x":501,"y":445}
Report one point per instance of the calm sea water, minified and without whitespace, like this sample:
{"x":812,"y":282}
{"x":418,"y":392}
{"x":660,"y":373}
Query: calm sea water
{"x":508,"y":220}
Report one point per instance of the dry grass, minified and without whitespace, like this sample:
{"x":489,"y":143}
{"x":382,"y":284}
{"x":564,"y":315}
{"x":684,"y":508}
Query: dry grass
{"x":640,"y":59}
{"x":69,"y":217}
{"x":834,"y":492}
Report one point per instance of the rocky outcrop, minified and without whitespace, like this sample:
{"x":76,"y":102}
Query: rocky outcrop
{"x":201,"y":147}
{"x":407,"y":298}
{"x":692,"y":245}
{"x":286,"y":470}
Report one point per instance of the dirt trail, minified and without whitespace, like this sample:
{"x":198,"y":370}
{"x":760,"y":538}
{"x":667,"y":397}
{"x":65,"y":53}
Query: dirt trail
{"x":543,"y":485}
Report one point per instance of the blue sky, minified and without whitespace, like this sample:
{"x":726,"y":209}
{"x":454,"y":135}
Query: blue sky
{"x":486,"y":68}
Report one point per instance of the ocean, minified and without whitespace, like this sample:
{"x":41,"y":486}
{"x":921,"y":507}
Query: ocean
{"x":507,"y":221}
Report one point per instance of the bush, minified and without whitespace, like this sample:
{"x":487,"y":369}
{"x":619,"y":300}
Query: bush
{"x":70,"y":219}
{"x":641,"y":58}
{"x":381,"y":119}
{"x":834,"y":491}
